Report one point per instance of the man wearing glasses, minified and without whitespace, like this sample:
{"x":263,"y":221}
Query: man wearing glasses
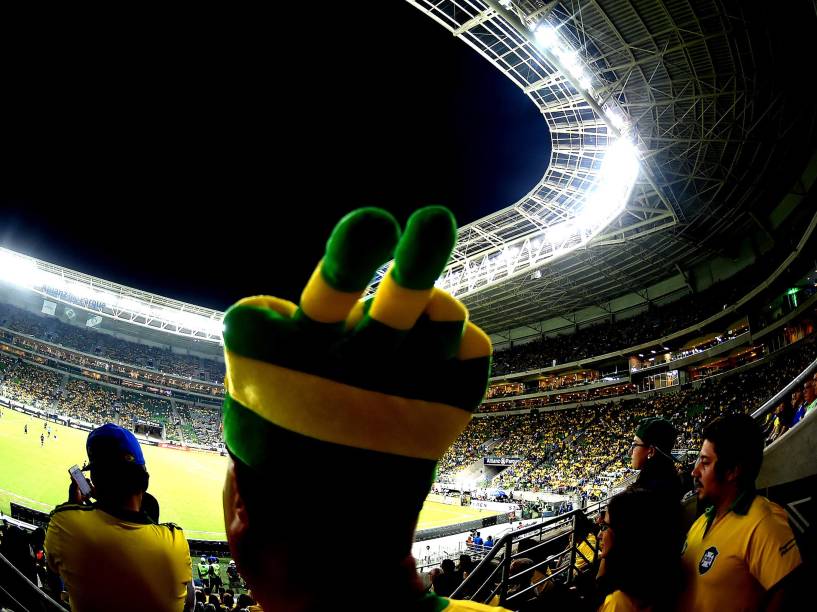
{"x":741,"y":553}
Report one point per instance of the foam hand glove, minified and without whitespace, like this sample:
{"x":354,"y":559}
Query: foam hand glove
{"x":395,"y":377}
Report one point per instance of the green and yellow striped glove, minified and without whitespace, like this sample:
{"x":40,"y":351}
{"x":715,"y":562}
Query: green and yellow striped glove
{"x":388,"y":382}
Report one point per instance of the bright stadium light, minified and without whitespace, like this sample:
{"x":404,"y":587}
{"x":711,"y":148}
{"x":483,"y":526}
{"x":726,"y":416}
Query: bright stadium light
{"x":546,"y":36}
{"x":16,"y":269}
{"x":616,"y":178}
{"x":570,"y":60}
{"x":560,"y":232}
{"x":616,"y":117}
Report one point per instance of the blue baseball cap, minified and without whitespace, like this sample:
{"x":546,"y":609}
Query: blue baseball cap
{"x":113,"y":444}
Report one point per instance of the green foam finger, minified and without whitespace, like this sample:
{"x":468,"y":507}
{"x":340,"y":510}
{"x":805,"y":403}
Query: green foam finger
{"x":360,"y":243}
{"x":424,"y":249}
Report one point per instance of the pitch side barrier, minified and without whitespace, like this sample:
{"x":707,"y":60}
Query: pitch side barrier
{"x":449,"y":530}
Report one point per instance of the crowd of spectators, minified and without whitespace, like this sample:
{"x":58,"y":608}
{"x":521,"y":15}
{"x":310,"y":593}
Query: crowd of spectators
{"x":51,"y":329}
{"x":573,"y":397}
{"x":89,"y":402}
{"x":187,"y":431}
{"x":552,"y":382}
{"x":587,"y":450}
{"x":206,"y":423}
{"x":102,"y":366}
{"x":609,"y":336}
{"x":151,"y":409}
{"x":29,"y":384}
{"x":583,"y":449}
{"x":95,"y":403}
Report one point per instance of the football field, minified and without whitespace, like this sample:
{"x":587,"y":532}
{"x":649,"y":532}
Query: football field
{"x":187,"y":483}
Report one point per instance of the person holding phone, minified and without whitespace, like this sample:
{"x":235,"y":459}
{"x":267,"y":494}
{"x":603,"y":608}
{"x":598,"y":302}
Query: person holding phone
{"x":96,"y":547}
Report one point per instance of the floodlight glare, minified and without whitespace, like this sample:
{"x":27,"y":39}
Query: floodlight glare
{"x":17,"y":270}
{"x":620,"y":163}
{"x":560,"y":232}
{"x":546,"y":36}
{"x":616,"y":117}
{"x":570,"y":62}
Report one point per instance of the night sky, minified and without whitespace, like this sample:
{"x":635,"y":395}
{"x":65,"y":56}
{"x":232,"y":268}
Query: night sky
{"x":206,"y":157}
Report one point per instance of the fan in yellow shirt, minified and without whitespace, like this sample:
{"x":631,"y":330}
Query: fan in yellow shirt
{"x":737,"y":554}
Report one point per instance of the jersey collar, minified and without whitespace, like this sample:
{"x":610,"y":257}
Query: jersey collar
{"x":124,"y":515}
{"x":740,"y":506}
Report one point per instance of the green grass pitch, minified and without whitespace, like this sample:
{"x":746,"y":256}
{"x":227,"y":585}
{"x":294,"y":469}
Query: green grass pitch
{"x":187,"y":483}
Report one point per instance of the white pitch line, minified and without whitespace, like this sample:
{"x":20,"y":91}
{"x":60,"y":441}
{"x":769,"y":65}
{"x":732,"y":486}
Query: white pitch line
{"x":28,"y":499}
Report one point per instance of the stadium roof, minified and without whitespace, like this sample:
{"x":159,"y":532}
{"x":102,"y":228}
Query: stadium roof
{"x":685,"y":82}
{"x":681,"y":86}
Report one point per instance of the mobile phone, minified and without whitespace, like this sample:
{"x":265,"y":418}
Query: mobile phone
{"x":82,"y":483}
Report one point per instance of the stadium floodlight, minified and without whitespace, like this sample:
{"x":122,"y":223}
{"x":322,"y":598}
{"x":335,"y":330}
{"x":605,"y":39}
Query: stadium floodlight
{"x":560,"y":232}
{"x":616,"y":117}
{"x":570,"y":61}
{"x":17,"y":269}
{"x":545,"y":35}
{"x":617,"y":176}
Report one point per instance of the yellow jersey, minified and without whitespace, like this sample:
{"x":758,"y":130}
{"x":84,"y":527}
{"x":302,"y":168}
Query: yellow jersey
{"x":118,"y":560}
{"x":619,"y":601}
{"x":732,"y":564}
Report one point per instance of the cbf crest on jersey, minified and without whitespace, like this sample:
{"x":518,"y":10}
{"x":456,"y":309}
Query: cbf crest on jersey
{"x":707,"y":560}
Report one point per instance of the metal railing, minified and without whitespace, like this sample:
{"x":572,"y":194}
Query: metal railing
{"x":771,"y":403}
{"x":492,"y":577}
{"x":22,"y":595}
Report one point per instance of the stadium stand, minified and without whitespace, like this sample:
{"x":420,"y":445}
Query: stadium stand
{"x":90,"y":402}
{"x":31,"y":385}
{"x":101,"y":345}
{"x":592,"y":444}
{"x":609,"y":336}
{"x":206,"y":425}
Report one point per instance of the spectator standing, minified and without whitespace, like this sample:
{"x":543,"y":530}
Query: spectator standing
{"x":96,"y":548}
{"x":651,"y":453}
{"x":448,"y":580}
{"x":640,"y":550}
{"x":808,"y":398}
{"x":741,"y":553}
